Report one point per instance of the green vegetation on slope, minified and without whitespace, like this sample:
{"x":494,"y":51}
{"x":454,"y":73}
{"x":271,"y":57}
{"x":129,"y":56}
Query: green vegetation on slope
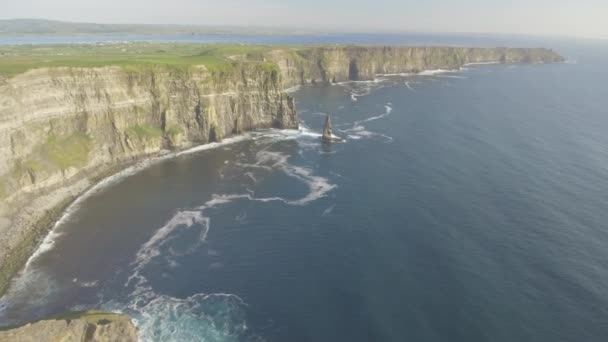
{"x":145,"y":131}
{"x":16,"y":59}
{"x":66,"y":152}
{"x":57,"y":152}
{"x":173,"y":131}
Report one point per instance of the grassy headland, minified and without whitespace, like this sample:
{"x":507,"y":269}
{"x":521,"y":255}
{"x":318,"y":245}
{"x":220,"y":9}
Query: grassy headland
{"x":16,"y":59}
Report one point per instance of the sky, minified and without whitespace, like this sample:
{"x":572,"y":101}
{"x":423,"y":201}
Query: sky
{"x":580,"y":18}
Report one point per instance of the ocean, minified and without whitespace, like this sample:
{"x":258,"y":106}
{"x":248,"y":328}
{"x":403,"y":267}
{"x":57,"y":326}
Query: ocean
{"x":467,"y":205}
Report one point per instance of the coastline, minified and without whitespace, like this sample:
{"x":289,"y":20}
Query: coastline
{"x":25,"y":223}
{"x":30,"y":224}
{"x":37,"y":221}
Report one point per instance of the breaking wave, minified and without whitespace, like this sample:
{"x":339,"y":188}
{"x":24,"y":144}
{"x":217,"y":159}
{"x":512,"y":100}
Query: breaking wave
{"x":436,"y":72}
{"x":358,"y":131}
{"x":208,"y":317}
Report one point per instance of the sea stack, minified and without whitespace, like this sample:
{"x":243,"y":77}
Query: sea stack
{"x":328,"y":135}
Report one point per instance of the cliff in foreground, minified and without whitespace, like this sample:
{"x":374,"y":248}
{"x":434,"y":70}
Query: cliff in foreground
{"x":76,"y":327}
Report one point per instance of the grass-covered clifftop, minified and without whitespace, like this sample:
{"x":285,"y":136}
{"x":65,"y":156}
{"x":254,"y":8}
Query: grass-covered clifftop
{"x":315,"y":62}
{"x":18,"y":59}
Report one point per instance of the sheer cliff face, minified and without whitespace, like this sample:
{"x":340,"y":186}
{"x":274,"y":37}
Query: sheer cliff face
{"x":55,"y":123}
{"x":339,"y":64}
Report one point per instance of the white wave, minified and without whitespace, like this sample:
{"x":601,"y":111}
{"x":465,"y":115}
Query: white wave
{"x":88,"y":284}
{"x":182,"y":220}
{"x":452,"y":76}
{"x":350,"y":83}
{"x":200,"y":317}
{"x":402,"y":74}
{"x":435,"y":72}
{"x":186,"y":219}
{"x":161,"y":317}
{"x":304,"y":131}
{"x":407,"y":84}
{"x":213,"y":145}
{"x":328,"y":210}
{"x":353,"y":97}
{"x":35,"y":288}
{"x":318,"y":186}
{"x":293,"y":89}
{"x":358,"y":131}
{"x":481,"y":63}
{"x":252,"y":177}
{"x":49,"y":241}
{"x":387,"y":112}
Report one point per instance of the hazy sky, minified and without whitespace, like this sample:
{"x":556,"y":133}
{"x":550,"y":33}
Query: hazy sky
{"x":557,"y":17}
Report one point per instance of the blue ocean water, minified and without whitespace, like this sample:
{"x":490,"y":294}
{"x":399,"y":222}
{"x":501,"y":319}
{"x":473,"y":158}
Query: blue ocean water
{"x":462,"y":206}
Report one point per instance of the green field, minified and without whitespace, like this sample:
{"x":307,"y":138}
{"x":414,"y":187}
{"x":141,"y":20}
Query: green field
{"x":17,"y":59}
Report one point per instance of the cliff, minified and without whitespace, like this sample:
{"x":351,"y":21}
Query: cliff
{"x":63,"y":128}
{"x":352,"y":63}
{"x":76,"y":327}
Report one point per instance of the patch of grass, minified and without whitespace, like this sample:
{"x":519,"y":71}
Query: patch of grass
{"x":145,"y":131}
{"x":66,"y":152}
{"x":34,"y":165}
{"x":173,"y":131}
{"x":17,"y":59}
{"x":57,"y":152}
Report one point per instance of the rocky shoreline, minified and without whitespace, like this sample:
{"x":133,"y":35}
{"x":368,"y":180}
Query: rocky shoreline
{"x":37,"y":217}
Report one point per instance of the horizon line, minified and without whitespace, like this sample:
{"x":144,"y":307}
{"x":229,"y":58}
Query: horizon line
{"x":320,"y":31}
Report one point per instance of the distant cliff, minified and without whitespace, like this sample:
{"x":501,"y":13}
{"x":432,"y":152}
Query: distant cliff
{"x":85,"y":327}
{"x":353,"y":63}
{"x":63,"y":128}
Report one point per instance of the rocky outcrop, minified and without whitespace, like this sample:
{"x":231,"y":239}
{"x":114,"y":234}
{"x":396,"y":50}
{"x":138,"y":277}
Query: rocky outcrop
{"x":328,"y":135}
{"x":352,"y":63}
{"x":76,"y":327}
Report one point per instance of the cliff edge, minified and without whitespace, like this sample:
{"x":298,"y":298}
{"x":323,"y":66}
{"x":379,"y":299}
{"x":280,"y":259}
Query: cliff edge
{"x":89,"y":326}
{"x":329,"y":64}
